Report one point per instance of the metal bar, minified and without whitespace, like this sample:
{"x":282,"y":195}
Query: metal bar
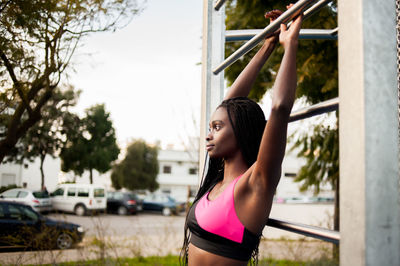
{"x":307,"y":230}
{"x":305,"y":34}
{"x":218,"y":4}
{"x":318,"y":34}
{"x":284,"y":18}
{"x":315,"y":8}
{"x":316,"y":109}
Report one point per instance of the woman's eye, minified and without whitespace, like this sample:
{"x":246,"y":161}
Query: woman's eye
{"x":214,"y":128}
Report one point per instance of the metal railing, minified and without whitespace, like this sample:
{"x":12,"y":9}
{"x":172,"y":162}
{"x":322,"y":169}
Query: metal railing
{"x":285,"y":18}
{"x":305,"y":34}
{"x":306,"y":230}
{"x":316,"y":109}
{"x":218,"y":4}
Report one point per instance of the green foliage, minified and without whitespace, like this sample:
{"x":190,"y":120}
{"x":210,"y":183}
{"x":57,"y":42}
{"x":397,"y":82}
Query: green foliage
{"x":37,"y":42}
{"x":321,"y":151}
{"x":316,"y":60}
{"x":93,"y":146}
{"x":47,"y":137}
{"x":139,"y":168}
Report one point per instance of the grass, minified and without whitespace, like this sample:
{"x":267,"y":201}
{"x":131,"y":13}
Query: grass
{"x":174,"y":261}
{"x":137,"y":261}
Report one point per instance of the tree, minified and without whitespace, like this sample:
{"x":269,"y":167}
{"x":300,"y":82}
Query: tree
{"x":317,"y":81}
{"x":38,"y":38}
{"x":48,"y":135}
{"x":139,"y":168}
{"x":321,"y":151}
{"x":93,"y":147}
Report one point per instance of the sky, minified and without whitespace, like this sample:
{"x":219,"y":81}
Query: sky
{"x":147,"y":74}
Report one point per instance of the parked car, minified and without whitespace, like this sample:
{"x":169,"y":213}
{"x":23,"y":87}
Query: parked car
{"x":162,"y":203}
{"x":38,"y":200}
{"x":79,"y":198}
{"x":299,"y":199}
{"x":123,"y":203}
{"x":321,"y":199}
{"x":21,"y":226}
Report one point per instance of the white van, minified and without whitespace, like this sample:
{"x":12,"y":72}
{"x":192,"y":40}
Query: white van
{"x":79,"y":198}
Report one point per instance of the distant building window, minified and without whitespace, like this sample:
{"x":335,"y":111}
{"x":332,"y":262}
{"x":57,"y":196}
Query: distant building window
{"x":166,"y":191}
{"x":7,"y":179}
{"x":290,"y":174}
{"x":192,"y":171}
{"x":167,"y":169}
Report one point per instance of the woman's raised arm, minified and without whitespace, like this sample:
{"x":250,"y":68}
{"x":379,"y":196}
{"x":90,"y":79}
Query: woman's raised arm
{"x":244,"y":82}
{"x":267,"y":170}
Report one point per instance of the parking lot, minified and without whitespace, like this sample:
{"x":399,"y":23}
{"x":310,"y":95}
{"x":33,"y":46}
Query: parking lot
{"x":156,"y":224}
{"x":125,"y":226}
{"x":148,"y":234}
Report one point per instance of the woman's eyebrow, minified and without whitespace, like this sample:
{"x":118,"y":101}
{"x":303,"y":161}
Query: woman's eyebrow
{"x":216,"y":122}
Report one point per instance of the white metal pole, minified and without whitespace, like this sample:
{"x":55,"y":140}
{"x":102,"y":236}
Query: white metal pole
{"x":213,"y":53}
{"x":368,"y":119}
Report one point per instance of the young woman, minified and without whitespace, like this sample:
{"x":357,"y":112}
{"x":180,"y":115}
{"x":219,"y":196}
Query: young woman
{"x":234,"y":200}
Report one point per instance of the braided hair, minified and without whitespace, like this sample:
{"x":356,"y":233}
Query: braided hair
{"x":248,"y":123}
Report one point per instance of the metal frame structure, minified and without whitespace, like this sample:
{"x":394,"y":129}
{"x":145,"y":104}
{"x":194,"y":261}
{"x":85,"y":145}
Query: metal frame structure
{"x":305,"y":34}
{"x":306,"y":230}
{"x":369,"y":131}
{"x":286,"y":17}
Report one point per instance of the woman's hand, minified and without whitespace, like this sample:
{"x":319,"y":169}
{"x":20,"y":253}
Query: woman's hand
{"x":272,"y":15}
{"x":290,"y":36}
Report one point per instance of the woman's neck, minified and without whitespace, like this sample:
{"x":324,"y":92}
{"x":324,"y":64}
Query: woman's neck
{"x":234,"y":167}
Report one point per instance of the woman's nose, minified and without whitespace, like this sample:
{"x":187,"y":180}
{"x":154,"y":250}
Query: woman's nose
{"x":209,"y":136}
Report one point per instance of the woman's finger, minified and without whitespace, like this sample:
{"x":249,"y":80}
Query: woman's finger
{"x":283,"y":27}
{"x":273,"y":14}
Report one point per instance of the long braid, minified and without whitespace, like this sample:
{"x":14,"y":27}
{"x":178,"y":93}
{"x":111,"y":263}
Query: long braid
{"x":248,"y":123}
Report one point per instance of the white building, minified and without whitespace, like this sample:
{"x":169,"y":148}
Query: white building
{"x":178,"y":175}
{"x":28,"y":175}
{"x":287,"y":188}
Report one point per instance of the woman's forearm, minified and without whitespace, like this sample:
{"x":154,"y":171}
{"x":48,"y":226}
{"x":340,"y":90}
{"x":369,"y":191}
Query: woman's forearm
{"x":244,"y":82}
{"x":286,"y":80}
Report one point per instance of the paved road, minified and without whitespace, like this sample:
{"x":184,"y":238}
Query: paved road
{"x":126,"y":226}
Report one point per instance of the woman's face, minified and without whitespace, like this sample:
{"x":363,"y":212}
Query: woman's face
{"x":221,"y":140}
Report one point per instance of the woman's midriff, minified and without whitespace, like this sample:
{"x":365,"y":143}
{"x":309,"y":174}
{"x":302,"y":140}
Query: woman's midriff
{"x":199,"y":257}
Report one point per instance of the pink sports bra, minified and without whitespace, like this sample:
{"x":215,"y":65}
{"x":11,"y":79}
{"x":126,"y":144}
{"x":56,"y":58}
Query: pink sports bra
{"x":216,"y":228}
